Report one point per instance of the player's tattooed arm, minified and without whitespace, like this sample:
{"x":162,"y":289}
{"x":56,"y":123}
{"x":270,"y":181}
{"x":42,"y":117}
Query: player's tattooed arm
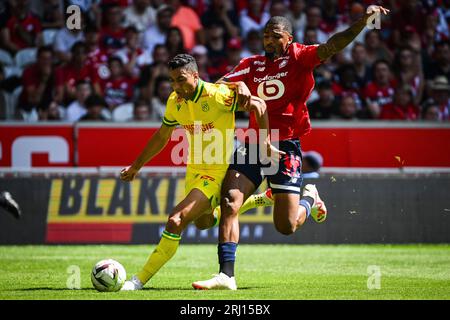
{"x":342,"y":39}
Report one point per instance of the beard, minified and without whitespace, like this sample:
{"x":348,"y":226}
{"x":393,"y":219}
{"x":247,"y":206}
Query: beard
{"x":269,"y":55}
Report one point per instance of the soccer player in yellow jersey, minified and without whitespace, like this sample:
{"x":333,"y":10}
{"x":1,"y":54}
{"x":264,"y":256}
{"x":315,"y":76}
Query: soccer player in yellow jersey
{"x":206,"y":111}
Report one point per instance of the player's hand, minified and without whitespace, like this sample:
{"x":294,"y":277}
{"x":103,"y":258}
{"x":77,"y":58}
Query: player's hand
{"x":244,"y":95}
{"x":376,"y":9}
{"x":128,"y":173}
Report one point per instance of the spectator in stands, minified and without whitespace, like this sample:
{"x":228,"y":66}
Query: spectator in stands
{"x":118,"y":88}
{"x":149,"y":74}
{"x":133,"y":57}
{"x":441,"y":62}
{"x":310,"y":36}
{"x":50,"y":110}
{"x":297,"y":15}
{"x":216,"y":45}
{"x":22,"y":30}
{"x":402,"y":107}
{"x":52,"y":14}
{"x":313,"y":21}
{"x":221,"y":12}
{"x":39,"y":81}
{"x":253,"y":44}
{"x":94,"y":106}
{"x":375,"y":48}
{"x":64,"y":40}
{"x":311,"y":164}
{"x":157,"y":34}
{"x":381,"y":90}
{"x":278,"y":8}
{"x":140,"y":15}
{"x":253,"y":17}
{"x":76,"y":109}
{"x":97,"y":58}
{"x":440,"y":96}
{"x":408,"y":70}
{"x":162,"y":92}
{"x":174,"y":42}
{"x":187,"y":20}
{"x":431,"y":112}
{"x":326,"y":105}
{"x":112,"y":35}
{"x":359,"y":61}
{"x":77,"y":69}
{"x":141,"y":111}
{"x":200,"y":53}
{"x":347,"y":109}
{"x":346,"y":84}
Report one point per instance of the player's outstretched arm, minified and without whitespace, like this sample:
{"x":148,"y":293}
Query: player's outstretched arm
{"x":259,"y":108}
{"x":154,"y":145}
{"x":342,"y":39}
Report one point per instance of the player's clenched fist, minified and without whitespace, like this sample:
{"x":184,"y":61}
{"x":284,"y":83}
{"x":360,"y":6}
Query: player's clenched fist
{"x":128,"y":173}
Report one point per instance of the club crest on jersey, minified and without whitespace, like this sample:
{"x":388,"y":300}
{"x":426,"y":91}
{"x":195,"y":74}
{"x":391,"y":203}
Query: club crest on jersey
{"x":205,"y":106}
{"x":282,"y":64}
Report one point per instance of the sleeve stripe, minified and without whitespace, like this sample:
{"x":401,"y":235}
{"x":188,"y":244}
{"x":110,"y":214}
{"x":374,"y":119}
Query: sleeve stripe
{"x":234,"y":105}
{"x":170,"y":123}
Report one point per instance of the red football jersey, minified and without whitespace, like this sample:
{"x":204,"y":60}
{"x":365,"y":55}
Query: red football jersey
{"x":284,"y":84}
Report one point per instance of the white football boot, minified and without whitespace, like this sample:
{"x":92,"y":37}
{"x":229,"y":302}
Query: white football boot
{"x":318,"y":209}
{"x":219,"y":282}
{"x":132,"y":285}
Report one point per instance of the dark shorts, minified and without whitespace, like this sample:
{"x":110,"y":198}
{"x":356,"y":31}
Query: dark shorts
{"x":286,"y":178}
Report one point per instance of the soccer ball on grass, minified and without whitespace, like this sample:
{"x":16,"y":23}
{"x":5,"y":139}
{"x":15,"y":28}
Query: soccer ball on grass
{"x":108,"y":275}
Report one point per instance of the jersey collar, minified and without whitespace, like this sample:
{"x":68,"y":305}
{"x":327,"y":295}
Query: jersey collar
{"x":198,"y":90}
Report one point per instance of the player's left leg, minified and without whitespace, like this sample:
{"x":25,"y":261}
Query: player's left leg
{"x":188,"y":210}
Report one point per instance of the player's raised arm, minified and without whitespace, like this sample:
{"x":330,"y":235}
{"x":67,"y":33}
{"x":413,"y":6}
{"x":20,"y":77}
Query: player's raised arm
{"x":342,"y":39}
{"x":154,"y":145}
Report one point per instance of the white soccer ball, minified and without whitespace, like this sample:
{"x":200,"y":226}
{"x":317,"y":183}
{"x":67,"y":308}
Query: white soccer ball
{"x":108,"y":275}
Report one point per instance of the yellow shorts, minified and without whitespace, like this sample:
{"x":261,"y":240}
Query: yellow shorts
{"x":207,"y":181}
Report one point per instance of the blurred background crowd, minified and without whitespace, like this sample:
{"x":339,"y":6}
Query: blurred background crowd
{"x":113,"y":68}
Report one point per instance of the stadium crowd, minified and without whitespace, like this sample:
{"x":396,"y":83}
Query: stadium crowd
{"x":114,"y":67}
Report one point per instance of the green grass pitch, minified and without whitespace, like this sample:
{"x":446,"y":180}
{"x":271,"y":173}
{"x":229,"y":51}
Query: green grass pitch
{"x":284,"y":272}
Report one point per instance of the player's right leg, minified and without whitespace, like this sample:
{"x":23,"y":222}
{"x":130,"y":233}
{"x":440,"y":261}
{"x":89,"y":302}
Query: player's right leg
{"x":236,"y":188}
{"x":188,"y":210}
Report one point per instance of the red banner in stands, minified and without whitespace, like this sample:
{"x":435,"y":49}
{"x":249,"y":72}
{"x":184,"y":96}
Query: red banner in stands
{"x":36,"y":145}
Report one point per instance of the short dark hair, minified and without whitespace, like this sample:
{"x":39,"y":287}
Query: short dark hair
{"x":95,"y":100}
{"x":183,"y":60}
{"x":280,"y":20}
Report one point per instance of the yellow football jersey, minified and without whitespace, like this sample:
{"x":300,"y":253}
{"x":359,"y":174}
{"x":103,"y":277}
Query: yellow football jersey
{"x":209,"y":123}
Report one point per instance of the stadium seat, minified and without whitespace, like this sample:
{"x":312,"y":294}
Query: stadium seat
{"x":5,"y":58}
{"x":13,"y":71}
{"x":124,"y":112}
{"x":25,"y":57}
{"x":48,"y":36}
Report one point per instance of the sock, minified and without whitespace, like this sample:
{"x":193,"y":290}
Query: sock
{"x":257,"y":200}
{"x":227,"y":255}
{"x":307,"y":202}
{"x":165,"y":250}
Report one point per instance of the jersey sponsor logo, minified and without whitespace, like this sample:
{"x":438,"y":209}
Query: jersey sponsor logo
{"x":238,"y":73}
{"x":206,"y":177}
{"x":271,"y":90}
{"x":283,"y":64}
{"x":267,"y":77}
{"x":195,"y":129}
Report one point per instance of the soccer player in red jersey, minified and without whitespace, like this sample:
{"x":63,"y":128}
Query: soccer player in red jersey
{"x":284,"y":79}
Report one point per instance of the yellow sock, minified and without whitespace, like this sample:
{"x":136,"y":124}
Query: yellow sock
{"x":165,"y":250}
{"x":257,"y":200}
